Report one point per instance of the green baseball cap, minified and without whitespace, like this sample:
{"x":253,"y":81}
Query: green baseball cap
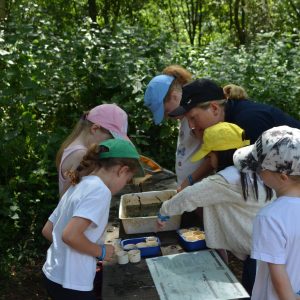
{"x":119,"y":148}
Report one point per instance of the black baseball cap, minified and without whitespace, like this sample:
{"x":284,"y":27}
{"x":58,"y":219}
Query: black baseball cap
{"x":198,"y":91}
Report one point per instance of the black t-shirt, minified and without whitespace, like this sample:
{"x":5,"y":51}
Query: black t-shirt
{"x":255,"y":117}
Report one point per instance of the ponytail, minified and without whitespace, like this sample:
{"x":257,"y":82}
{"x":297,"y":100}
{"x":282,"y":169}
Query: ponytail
{"x":92,"y":162}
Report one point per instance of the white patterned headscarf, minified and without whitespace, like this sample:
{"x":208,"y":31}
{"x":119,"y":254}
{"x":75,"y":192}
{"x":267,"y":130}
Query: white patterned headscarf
{"x":277,"y":149}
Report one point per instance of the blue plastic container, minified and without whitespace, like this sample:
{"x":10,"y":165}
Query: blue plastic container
{"x":191,"y":246}
{"x":145,"y":251}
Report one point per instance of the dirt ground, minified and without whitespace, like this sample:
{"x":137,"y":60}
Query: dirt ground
{"x":26,"y":283}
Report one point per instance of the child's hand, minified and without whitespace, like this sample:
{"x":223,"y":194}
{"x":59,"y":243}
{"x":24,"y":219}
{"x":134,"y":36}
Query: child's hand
{"x":110,"y":251}
{"x":160,"y":224}
{"x":161,"y":220}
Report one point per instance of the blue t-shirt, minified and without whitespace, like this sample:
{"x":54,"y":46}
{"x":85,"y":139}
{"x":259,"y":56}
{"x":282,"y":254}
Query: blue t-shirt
{"x":255,"y":118}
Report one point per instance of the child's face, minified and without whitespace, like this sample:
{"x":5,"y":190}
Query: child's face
{"x":172,"y":102}
{"x":269,"y":178}
{"x":123,"y":177}
{"x":99,"y":134}
{"x":200,"y":118}
{"x":213,"y":158}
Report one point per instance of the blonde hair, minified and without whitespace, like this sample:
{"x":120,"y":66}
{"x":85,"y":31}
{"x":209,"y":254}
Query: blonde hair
{"x":182,"y":77}
{"x":232,"y":91}
{"x":83,"y":125}
{"x":206,"y":104}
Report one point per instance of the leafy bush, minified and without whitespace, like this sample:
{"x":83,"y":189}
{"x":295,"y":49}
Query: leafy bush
{"x":49,"y":77}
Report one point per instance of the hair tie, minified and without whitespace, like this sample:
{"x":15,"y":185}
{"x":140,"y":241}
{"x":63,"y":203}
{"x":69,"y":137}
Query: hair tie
{"x":83,"y":117}
{"x":103,"y":148}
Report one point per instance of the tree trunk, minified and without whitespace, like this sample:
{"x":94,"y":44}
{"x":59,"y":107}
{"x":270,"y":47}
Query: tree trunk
{"x":240,"y":22}
{"x":200,"y":24}
{"x":230,"y":15}
{"x":2,"y":10}
{"x":105,"y":12}
{"x":191,"y":18}
{"x":172,"y":19}
{"x":93,"y":10}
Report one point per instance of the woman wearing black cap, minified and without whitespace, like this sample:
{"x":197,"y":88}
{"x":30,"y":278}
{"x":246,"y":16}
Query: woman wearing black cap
{"x":204,"y":104}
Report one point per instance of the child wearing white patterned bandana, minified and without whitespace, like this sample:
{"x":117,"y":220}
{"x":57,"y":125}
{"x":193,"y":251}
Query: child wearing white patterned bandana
{"x":275,"y":156}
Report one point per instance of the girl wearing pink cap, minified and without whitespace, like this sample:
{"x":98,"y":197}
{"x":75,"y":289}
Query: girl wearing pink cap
{"x":103,"y":122}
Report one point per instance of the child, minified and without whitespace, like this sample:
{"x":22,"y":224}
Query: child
{"x":163,"y":95}
{"x":103,"y":122}
{"x":276,"y":235}
{"x":78,"y":222}
{"x":230,"y":199}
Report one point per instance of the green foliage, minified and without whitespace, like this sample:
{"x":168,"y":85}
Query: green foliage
{"x":268,"y":69}
{"x":52,"y":73}
{"x":49,"y":79}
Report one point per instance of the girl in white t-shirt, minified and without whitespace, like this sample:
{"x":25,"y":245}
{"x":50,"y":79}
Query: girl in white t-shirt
{"x":76,"y":225}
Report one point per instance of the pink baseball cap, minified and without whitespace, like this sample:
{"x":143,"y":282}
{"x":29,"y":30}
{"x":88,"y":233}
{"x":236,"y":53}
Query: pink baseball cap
{"x":110,"y":117}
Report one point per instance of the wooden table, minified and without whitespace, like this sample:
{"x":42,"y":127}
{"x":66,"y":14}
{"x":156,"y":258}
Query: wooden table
{"x":133,"y":281}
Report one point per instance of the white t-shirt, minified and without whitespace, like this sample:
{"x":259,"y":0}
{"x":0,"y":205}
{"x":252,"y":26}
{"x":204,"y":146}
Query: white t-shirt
{"x":89,"y":199}
{"x":276,"y":239}
{"x":187,"y":145}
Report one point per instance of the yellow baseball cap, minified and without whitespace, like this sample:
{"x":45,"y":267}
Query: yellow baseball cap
{"x":220,"y":137}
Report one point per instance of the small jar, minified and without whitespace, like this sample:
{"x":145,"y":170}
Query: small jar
{"x":122,"y":257}
{"x":134,"y":255}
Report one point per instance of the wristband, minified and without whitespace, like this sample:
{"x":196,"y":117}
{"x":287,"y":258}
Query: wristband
{"x":190,"y":178}
{"x":163,"y":218}
{"x":101,"y":258}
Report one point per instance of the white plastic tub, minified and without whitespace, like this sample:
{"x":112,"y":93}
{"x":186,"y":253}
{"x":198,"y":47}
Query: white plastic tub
{"x":145,"y":224}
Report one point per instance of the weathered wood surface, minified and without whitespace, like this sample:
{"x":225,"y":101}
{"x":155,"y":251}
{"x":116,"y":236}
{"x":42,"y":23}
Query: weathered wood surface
{"x":133,"y":281}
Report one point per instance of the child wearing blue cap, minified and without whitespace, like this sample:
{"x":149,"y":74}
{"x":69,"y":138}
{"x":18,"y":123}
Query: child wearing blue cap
{"x":77,"y":224}
{"x":163,"y":94}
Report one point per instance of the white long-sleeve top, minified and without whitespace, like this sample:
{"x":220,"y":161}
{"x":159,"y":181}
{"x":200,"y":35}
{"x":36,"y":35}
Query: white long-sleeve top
{"x":227,"y":216}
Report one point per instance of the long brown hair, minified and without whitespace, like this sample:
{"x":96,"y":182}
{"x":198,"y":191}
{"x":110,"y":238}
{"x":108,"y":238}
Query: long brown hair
{"x":92,"y":162}
{"x":225,"y":159}
{"x":83,"y":125}
{"x":182,"y":77}
{"x":232,"y":91}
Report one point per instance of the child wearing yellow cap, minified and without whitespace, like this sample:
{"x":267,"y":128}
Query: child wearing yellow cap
{"x":230,"y":199}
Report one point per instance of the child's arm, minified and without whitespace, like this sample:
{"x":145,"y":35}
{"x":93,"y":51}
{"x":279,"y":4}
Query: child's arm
{"x":281,"y":282}
{"x":47,"y":230}
{"x":204,"y":170}
{"x":73,"y":235}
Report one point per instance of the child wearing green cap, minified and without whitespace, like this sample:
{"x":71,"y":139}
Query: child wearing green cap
{"x":230,"y":199}
{"x":77,"y":224}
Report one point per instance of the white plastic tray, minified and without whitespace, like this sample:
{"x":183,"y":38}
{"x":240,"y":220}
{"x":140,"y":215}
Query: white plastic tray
{"x":146,"y":224}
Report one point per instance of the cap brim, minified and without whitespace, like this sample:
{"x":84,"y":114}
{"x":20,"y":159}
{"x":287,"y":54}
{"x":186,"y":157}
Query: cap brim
{"x":140,"y":172}
{"x":158,"y":115}
{"x":200,"y":154}
{"x":244,"y":160}
{"x":179,"y":111}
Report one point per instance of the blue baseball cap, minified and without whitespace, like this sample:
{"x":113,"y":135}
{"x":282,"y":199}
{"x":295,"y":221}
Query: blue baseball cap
{"x":155,"y":94}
